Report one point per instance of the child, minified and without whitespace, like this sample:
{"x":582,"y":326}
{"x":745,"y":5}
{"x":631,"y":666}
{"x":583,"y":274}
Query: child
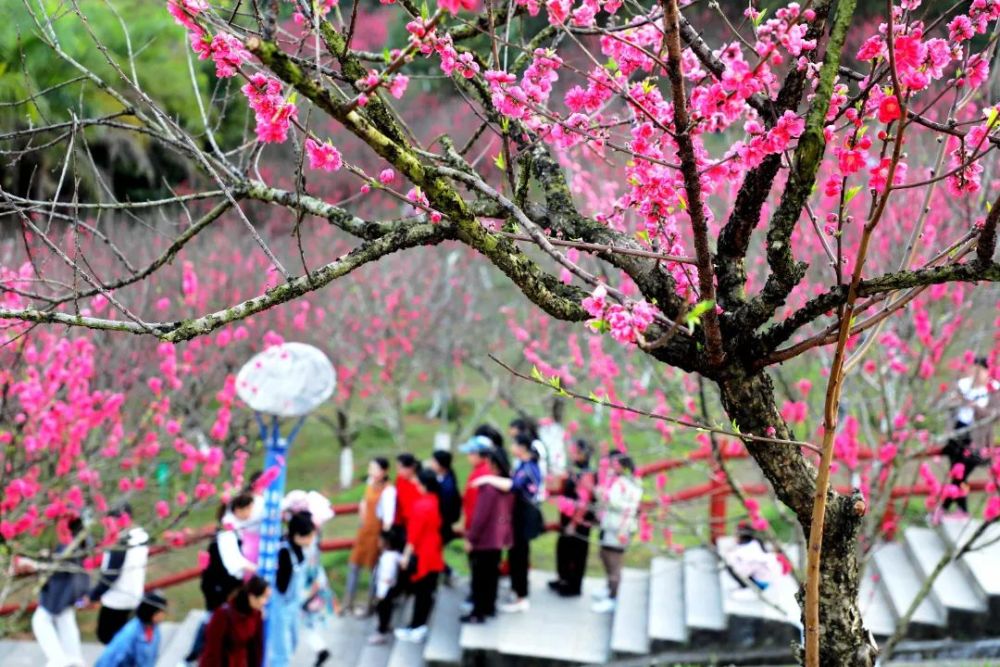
{"x":137,"y":644}
{"x":289,"y":588}
{"x":387,"y":581}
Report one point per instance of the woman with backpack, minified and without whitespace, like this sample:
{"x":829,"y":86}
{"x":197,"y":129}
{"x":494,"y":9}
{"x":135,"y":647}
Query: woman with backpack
{"x":227,"y":565}
{"x":526,"y":485}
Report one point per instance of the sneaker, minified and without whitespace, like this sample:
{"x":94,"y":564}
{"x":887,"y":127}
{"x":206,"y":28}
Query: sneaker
{"x":599,"y":594}
{"x":323,"y":656}
{"x":556,"y":585}
{"x":515,"y":607}
{"x":415,"y":635}
{"x":567,"y":593}
{"x":605,"y":606}
{"x":377,"y":638}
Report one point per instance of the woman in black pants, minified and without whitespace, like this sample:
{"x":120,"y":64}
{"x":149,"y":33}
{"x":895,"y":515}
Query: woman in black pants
{"x":527,"y":520}
{"x":489,"y":533}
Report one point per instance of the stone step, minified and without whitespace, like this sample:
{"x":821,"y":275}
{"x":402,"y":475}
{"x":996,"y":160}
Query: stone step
{"x":406,"y":654}
{"x":961,"y":599}
{"x":27,"y":653}
{"x":980,"y":564}
{"x":630,"y":625}
{"x":666,"y":602}
{"x":375,"y":656}
{"x":776,"y":603}
{"x":175,"y":650}
{"x":343,"y":636}
{"x":900,"y":581}
{"x":875,"y":608}
{"x":443,"y":645}
{"x":554,"y":628}
{"x":702,"y":594}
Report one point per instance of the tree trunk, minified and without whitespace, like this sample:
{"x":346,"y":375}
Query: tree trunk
{"x":844,"y":641}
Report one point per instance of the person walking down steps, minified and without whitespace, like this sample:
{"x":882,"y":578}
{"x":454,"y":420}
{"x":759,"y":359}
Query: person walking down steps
{"x":54,"y":621}
{"x":137,"y":644}
{"x":122,"y":580}
{"x":289,"y":590}
{"x":234,"y":635}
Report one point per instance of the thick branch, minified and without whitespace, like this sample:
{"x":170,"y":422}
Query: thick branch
{"x":785,"y":271}
{"x":987,"y":243}
{"x":416,"y":235}
{"x":890,"y":282}
{"x":734,"y":239}
{"x":692,"y":181}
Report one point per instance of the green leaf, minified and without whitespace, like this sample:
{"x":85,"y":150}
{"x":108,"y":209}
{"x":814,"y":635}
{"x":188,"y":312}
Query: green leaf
{"x":294,"y":96}
{"x":693,"y":316}
{"x":851,"y":194}
{"x":386,"y":55}
{"x":760,"y":18}
{"x":600,"y":326}
{"x":611,"y":65}
{"x":643,"y":235}
{"x":499,"y":162}
{"x":735,"y":427}
{"x":683,"y":202}
{"x":536,"y":374}
{"x":425,"y":12}
{"x":991,"y":117}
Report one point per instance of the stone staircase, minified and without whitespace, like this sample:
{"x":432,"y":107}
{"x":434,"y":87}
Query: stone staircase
{"x":682,"y":606}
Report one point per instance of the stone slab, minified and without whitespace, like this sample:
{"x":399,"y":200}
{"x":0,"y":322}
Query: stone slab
{"x":666,"y":601}
{"x":702,"y":594}
{"x":630,"y":625}
{"x":901,"y":581}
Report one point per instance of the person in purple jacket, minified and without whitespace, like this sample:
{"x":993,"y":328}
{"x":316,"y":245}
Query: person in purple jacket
{"x":489,"y":533}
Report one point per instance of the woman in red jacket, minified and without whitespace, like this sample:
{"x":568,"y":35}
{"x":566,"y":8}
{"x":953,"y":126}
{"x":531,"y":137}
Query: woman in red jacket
{"x":423,"y":556}
{"x":489,"y":532}
{"x":235,"y":633}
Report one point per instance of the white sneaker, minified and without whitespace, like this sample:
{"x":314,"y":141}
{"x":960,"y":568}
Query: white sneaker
{"x":418,"y":635}
{"x":600,"y":594}
{"x":515,"y":607}
{"x":605,"y":606}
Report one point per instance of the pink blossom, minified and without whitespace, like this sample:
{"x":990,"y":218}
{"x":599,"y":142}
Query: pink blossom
{"x":162,"y":509}
{"x":323,"y":156}
{"x":455,"y":6}
{"x":386,"y":176}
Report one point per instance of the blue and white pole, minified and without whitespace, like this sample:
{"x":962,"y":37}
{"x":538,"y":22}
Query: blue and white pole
{"x":275,"y":457}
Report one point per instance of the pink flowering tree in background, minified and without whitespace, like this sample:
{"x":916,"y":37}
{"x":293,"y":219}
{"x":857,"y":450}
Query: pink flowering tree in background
{"x":801,"y":195}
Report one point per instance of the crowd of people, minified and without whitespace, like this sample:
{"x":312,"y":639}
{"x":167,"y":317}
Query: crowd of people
{"x":408,"y":515}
